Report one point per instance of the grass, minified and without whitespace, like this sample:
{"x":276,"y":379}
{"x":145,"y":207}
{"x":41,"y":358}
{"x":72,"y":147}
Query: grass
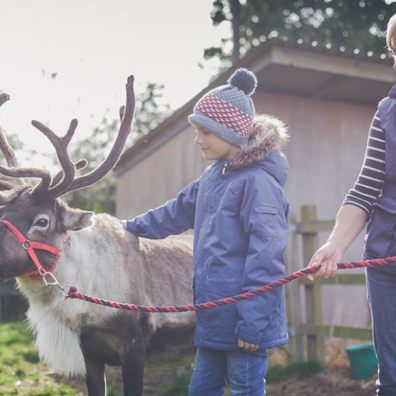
{"x":112,"y":390}
{"x":21,"y":372}
{"x":177,"y":386}
{"x":279,"y":373}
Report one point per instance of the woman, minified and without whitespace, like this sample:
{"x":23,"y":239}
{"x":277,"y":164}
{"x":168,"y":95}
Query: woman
{"x":373,"y":199}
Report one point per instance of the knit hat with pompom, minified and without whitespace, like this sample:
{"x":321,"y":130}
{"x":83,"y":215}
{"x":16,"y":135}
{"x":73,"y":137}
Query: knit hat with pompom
{"x":228,"y":111}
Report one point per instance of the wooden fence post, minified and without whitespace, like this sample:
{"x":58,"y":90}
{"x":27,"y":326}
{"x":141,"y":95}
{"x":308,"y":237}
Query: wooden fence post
{"x":294,"y":302}
{"x":313,"y":298}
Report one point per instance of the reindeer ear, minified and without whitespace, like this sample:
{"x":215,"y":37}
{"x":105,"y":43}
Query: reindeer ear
{"x":76,"y":219}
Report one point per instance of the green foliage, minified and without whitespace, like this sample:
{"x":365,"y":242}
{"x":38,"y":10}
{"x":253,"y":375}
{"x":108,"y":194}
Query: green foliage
{"x":100,"y":197}
{"x":111,"y":390}
{"x":353,"y":24}
{"x":149,"y":110}
{"x":21,"y":373}
{"x":14,"y":142}
{"x":279,"y":373}
{"x":178,"y":386}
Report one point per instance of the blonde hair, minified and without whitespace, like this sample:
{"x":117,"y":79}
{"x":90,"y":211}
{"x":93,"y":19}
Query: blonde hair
{"x":391,"y":33}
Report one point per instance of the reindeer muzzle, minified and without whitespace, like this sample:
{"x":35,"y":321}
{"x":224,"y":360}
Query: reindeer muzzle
{"x":30,"y":247}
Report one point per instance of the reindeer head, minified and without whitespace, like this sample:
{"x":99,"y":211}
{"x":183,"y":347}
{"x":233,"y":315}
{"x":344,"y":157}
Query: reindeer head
{"x":37,"y":211}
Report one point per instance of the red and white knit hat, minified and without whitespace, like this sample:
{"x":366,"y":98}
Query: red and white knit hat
{"x":228,"y":111}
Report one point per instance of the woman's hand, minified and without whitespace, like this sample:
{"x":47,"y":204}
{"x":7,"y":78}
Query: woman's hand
{"x":247,"y":346}
{"x":350,"y":221}
{"x":327,"y":257}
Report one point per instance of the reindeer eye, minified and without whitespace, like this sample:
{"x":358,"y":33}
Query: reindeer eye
{"x":41,"y":223}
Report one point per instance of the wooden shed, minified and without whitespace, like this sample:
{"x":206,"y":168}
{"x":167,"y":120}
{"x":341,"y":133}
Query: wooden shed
{"x":326,"y":96}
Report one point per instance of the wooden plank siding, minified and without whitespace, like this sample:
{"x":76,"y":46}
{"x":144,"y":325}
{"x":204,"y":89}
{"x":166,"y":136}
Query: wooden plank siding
{"x":327,"y":143}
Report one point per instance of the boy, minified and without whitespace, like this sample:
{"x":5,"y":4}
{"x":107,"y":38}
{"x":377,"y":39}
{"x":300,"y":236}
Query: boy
{"x":239,"y":214}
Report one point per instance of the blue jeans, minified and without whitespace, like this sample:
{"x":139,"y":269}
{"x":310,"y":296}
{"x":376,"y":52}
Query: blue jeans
{"x":382,"y":298}
{"x":243,"y":372}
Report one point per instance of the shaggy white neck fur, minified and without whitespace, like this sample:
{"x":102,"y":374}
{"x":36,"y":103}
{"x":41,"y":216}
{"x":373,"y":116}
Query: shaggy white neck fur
{"x":84,"y":263}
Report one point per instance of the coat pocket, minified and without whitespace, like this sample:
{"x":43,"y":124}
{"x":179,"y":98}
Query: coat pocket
{"x":268,"y":218}
{"x":221,"y":322}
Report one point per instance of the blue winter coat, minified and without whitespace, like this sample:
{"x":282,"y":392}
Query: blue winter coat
{"x":239,"y":214}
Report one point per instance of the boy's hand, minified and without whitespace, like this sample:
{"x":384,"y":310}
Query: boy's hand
{"x":247,"y":346}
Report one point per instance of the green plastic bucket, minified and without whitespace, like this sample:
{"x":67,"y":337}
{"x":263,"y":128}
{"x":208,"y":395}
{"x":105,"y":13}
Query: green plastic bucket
{"x":363,"y":360}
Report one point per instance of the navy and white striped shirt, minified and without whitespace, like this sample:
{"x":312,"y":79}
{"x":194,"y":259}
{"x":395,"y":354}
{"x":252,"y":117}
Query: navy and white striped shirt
{"x":370,"y":181}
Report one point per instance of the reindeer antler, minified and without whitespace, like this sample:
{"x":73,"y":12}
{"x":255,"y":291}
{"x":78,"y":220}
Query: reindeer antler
{"x":4,"y":97}
{"x":60,"y":144}
{"x":5,"y":147}
{"x":126,"y":114}
{"x":65,"y":180}
{"x":80,"y":164}
{"x":10,"y":186}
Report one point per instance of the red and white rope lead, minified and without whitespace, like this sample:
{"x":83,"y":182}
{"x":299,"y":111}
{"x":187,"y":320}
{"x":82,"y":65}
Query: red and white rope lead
{"x":74,"y":293}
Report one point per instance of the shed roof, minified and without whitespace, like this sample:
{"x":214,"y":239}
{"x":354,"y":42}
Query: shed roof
{"x":291,"y":68}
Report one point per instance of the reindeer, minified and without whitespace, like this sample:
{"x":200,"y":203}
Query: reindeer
{"x":99,"y":257}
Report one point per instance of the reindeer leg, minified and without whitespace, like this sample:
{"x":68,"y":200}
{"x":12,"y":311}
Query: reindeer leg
{"x":95,"y":378}
{"x":94,"y":365}
{"x":136,"y":339}
{"x":133,"y":370}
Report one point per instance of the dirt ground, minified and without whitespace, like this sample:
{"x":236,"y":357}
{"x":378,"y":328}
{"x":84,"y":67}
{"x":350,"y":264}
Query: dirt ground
{"x":335,"y":380}
{"x":331,"y":382}
{"x":327,"y":383}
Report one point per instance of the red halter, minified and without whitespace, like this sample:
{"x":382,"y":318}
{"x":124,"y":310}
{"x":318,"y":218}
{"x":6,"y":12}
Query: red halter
{"x":29,"y":246}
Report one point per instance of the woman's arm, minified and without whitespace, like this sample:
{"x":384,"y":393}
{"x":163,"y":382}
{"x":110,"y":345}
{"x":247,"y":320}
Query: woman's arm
{"x":370,"y":181}
{"x":357,"y":205}
{"x":349,"y":223}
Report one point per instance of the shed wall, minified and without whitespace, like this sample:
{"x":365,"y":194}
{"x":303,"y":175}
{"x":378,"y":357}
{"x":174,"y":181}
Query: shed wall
{"x":325,"y":152}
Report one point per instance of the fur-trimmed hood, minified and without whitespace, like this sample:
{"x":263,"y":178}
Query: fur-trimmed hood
{"x":268,"y":137}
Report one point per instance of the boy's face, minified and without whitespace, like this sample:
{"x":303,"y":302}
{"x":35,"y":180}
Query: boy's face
{"x":214,"y":148}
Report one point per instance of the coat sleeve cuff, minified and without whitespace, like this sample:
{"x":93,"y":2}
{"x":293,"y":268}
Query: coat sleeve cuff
{"x":132,"y":227}
{"x":243,"y":335}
